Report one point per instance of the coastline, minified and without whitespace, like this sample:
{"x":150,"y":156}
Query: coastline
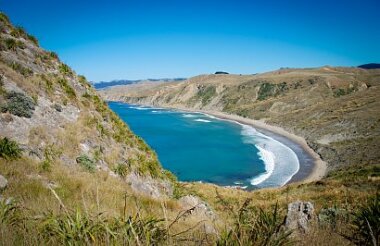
{"x":319,"y":167}
{"x":312,"y":167}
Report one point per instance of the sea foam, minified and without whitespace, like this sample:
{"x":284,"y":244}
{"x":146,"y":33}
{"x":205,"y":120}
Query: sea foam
{"x":203,"y":120}
{"x":189,"y":115}
{"x":139,"y":108}
{"x":281,"y":163}
{"x":269,"y":159}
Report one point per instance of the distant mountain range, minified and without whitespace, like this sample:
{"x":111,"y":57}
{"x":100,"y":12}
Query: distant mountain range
{"x":370,"y":66}
{"x":105,"y":84}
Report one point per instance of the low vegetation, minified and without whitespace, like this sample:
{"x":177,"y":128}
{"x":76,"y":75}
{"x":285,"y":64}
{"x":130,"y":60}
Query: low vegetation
{"x":9,"y":149}
{"x":255,"y":226}
{"x":64,"y":69}
{"x":87,"y":163}
{"x":268,"y":90}
{"x":70,"y":92}
{"x":25,"y":71}
{"x":366,"y":222}
{"x":121,"y":170}
{"x":344,"y":91}
{"x":18,"y":104}
{"x":205,"y":94}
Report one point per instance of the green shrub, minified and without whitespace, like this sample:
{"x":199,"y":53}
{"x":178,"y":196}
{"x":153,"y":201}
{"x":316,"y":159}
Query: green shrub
{"x":206,"y":94}
{"x":33,"y":39}
{"x":267,"y":90}
{"x":67,"y":88}
{"x":64,"y":69}
{"x":366,"y":222}
{"x":147,"y":166}
{"x":10,"y":44}
{"x":342,"y":92}
{"x":4,"y":18}
{"x":53,"y":55}
{"x":339,"y":92}
{"x":86,"y":163}
{"x":9,"y":149}
{"x":19,"y":104}
{"x":83,"y":81}
{"x":121,"y":170}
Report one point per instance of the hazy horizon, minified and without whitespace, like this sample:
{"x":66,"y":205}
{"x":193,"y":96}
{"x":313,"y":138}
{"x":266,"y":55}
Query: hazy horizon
{"x":147,"y":39}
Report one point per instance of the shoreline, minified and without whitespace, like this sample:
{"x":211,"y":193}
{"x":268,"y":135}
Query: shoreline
{"x":305,"y":173}
{"x":311,"y":166}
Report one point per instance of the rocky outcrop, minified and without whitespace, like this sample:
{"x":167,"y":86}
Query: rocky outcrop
{"x":3,"y":183}
{"x":196,"y":206}
{"x":149,"y":187}
{"x":299,"y":217}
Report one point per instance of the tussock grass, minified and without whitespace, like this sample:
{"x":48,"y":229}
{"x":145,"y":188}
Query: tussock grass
{"x":9,"y":149}
{"x":85,"y":208}
{"x":65,"y":70}
{"x":67,"y":88}
{"x":255,"y":226}
{"x":25,"y":71}
{"x":366,"y":222}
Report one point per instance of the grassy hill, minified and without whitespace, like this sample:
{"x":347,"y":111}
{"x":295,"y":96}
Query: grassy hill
{"x":335,"y":109}
{"x":72,"y":173}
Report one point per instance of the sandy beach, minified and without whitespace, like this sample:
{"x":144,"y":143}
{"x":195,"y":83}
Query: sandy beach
{"x":309,"y":173}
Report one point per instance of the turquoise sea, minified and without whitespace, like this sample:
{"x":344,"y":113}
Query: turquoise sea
{"x":199,"y":147}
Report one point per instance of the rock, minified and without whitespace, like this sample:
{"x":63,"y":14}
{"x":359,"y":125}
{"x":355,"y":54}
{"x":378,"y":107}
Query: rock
{"x":196,"y":206}
{"x":57,"y":107}
{"x":300,"y":216}
{"x":84,"y":147}
{"x":149,"y":187}
{"x":3,"y":182}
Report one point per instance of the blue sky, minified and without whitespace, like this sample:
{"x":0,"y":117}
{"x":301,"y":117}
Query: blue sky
{"x":106,"y":40}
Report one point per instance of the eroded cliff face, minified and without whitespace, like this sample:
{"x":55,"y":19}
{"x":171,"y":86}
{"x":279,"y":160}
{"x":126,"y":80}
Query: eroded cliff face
{"x":335,"y":109}
{"x":58,"y":119}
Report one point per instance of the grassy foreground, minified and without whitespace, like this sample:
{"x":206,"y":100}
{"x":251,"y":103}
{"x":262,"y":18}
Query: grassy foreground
{"x":91,"y":208}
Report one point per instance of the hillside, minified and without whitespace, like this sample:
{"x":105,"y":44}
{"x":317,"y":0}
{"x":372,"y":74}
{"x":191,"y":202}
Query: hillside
{"x":335,"y":109}
{"x":370,"y":66}
{"x":106,"y":84}
{"x":64,"y":154}
{"x":72,"y":173}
